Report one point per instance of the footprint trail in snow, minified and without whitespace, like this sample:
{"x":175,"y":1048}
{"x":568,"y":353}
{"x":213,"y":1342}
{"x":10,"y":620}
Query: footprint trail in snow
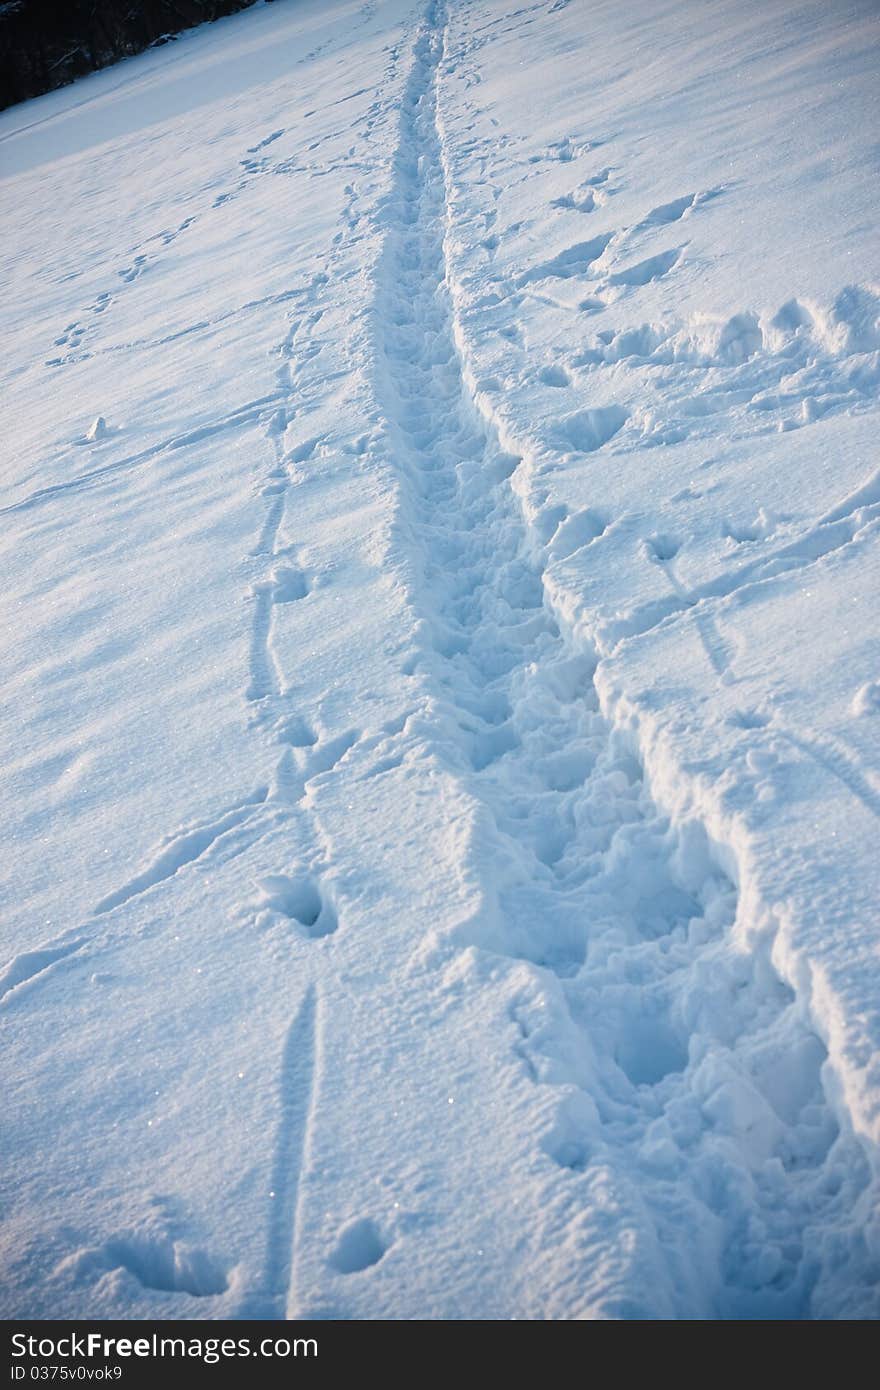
{"x":692,"y":1072}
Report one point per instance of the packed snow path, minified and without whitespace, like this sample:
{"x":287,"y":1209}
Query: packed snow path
{"x":579,"y":872}
{"x":475,"y":988}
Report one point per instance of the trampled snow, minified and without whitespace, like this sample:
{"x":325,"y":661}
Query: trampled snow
{"x":442,"y":667}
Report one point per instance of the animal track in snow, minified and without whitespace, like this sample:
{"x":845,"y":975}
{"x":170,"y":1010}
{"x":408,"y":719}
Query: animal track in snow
{"x":669,"y":212}
{"x":71,"y":335}
{"x":359,"y":1246}
{"x":663,"y":548}
{"x":286,"y":584}
{"x":156,"y":1261}
{"x":72,"y":340}
{"x":171,"y":235}
{"x":265,"y":676}
{"x":298,"y":898}
{"x":293,"y":729}
{"x":75,"y":331}
{"x":836,"y":758}
{"x":133,"y":271}
{"x":267,"y":140}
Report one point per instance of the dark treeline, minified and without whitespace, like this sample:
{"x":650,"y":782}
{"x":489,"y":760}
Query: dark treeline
{"x":47,"y":43}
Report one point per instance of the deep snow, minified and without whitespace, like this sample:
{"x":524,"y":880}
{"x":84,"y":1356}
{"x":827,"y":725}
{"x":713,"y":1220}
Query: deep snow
{"x":440,"y":508}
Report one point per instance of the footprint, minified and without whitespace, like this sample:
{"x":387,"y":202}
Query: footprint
{"x":677,"y":209}
{"x":288,"y":584}
{"x":554,"y":376}
{"x":156,"y":1262}
{"x":587,"y":430}
{"x":513,"y":334}
{"x":576,"y":531}
{"x":575,"y":260}
{"x":359,"y":1246}
{"x":132,"y":271}
{"x":563,"y":151}
{"x":329,"y":752}
{"x":585,"y":200}
{"x":569,"y":1143}
{"x":301,"y":453}
{"x":71,"y":336}
{"x":748,"y":719}
{"x":760,"y":529}
{"x":662,"y":548}
{"x":169,"y":236}
{"x":569,"y":1153}
{"x":300,"y":900}
{"x":643,"y":272}
{"x":669,"y":212}
{"x":295,"y":731}
{"x":648,"y":1049}
{"x":488,"y":747}
{"x":740,"y":338}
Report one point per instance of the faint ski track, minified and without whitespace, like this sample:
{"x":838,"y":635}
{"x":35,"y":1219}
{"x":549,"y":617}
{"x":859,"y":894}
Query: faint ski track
{"x":830,"y":534}
{"x":28,"y":965}
{"x":831,"y":755}
{"x":296,"y":1085}
{"x":244,"y":415}
{"x":182,"y":850}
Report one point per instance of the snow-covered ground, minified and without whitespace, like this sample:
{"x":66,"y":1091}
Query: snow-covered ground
{"x":441,"y":658}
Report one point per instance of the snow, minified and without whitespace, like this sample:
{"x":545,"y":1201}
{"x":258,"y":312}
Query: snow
{"x":440,"y":508}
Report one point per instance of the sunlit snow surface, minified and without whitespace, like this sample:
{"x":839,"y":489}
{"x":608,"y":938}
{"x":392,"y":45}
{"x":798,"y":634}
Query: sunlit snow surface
{"x":440,"y":499}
